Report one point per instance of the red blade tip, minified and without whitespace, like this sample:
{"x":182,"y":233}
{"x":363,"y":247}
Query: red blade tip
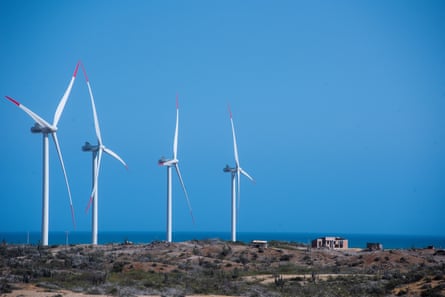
{"x":72,"y":217}
{"x":230,"y":111}
{"x":84,"y":72}
{"x":89,"y":204}
{"x":75,"y":70}
{"x":13,"y":101}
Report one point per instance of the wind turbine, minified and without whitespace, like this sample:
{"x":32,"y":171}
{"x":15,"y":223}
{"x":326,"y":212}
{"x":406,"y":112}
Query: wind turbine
{"x":42,"y":126}
{"x":169,"y":163}
{"x":97,"y":151}
{"x":236,"y":172}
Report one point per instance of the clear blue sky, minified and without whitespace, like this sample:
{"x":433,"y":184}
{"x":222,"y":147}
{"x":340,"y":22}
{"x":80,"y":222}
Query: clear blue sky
{"x":339,"y":108}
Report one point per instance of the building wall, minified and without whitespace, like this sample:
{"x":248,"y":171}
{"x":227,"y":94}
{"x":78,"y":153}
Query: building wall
{"x":330,"y":242}
{"x":374,"y":246}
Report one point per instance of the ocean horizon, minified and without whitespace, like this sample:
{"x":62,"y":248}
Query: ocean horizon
{"x":140,"y":237}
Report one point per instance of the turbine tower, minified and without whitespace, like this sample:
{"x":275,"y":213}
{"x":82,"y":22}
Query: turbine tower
{"x":96,"y":151}
{"x":169,"y":163}
{"x":235,"y":172}
{"x":42,"y":126}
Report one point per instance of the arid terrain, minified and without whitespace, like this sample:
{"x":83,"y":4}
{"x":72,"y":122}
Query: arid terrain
{"x":217,"y":268}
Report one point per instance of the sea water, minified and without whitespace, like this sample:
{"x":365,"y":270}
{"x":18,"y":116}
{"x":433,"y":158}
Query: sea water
{"x":139,"y":237}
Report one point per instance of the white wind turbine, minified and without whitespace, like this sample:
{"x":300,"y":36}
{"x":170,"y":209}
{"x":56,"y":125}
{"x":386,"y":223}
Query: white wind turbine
{"x":173,"y":163}
{"x":97,"y":151}
{"x":236,"y":171}
{"x":42,"y":126}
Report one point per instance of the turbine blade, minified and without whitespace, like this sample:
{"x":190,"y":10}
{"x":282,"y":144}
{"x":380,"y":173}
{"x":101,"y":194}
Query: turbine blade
{"x":175,"y":140}
{"x":96,"y":179}
{"x":59,"y":152}
{"x":65,"y":96}
{"x":235,"y":148}
{"x":90,"y":201}
{"x":246,"y":175}
{"x":185,"y":191}
{"x":116,"y":156}
{"x":238,"y":176}
{"x":33,"y":115}
{"x":93,"y":105}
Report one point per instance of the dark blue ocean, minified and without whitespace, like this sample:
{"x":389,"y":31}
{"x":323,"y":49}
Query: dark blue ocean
{"x":355,"y":240}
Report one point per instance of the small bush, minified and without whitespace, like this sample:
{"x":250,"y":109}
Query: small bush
{"x":285,"y":257}
{"x":118,"y":267}
{"x":438,"y":276}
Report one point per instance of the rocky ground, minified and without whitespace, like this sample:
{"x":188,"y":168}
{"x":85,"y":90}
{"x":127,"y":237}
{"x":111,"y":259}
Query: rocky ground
{"x":217,"y":268}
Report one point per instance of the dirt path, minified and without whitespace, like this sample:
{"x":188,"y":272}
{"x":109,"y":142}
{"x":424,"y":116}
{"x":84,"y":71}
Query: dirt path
{"x":269,"y":278}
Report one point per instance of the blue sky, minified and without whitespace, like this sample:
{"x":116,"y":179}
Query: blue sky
{"x":338,"y":108}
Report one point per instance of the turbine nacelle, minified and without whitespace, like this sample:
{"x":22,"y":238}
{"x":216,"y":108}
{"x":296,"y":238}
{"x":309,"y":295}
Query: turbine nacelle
{"x":167,"y":162}
{"x":229,"y":169}
{"x":88,"y":147}
{"x":37,"y":128}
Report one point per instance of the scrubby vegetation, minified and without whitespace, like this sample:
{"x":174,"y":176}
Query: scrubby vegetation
{"x":223,"y":268}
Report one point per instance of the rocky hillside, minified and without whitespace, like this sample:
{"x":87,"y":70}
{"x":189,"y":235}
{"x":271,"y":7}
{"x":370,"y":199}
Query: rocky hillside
{"x":223,"y":268}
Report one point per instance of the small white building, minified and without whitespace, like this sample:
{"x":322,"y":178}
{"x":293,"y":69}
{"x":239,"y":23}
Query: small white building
{"x":259,"y":243}
{"x":330,"y":242}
